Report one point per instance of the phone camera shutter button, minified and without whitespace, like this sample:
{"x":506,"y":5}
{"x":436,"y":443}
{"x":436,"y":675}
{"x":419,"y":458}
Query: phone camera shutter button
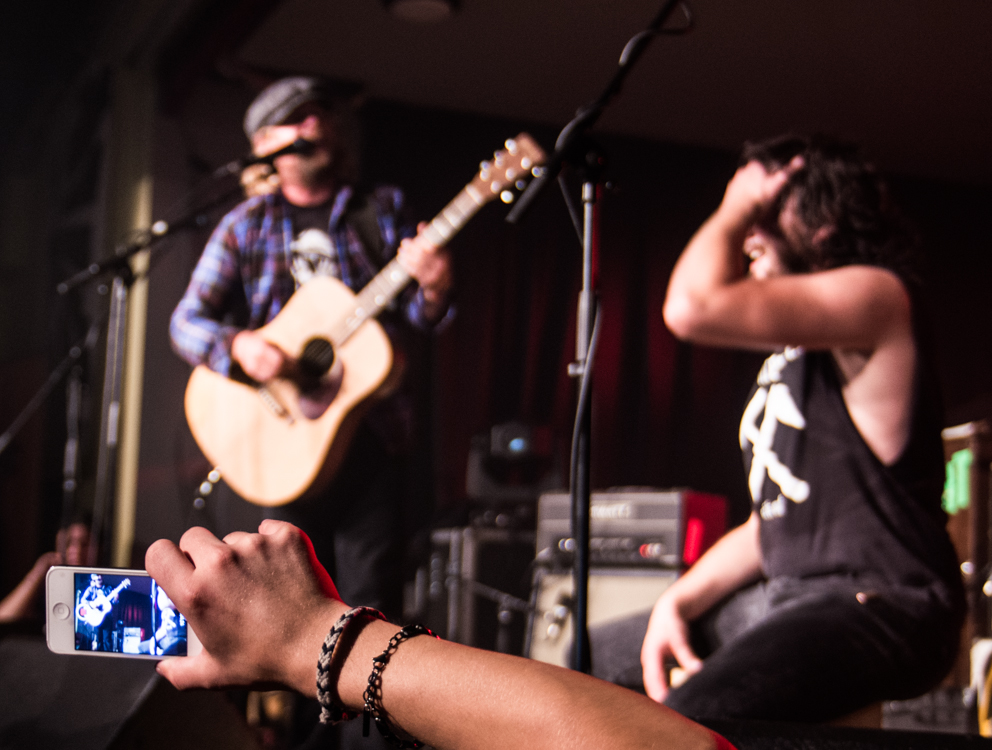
{"x":61,"y":610}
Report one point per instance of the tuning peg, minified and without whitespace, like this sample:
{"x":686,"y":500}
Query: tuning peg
{"x":520,"y":184}
{"x":507,"y":196}
{"x":511,"y":145}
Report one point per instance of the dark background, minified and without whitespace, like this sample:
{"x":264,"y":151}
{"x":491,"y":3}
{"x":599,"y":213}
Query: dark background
{"x":665,"y":414}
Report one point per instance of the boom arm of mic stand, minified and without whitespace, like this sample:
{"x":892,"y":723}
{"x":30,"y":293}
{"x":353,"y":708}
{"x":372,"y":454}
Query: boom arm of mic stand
{"x":120,"y":261}
{"x":588,"y":115}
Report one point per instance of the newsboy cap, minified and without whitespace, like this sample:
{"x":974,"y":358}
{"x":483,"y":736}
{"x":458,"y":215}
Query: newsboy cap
{"x":277,"y":101}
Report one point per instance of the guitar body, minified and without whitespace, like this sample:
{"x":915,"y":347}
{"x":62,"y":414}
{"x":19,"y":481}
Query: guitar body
{"x":270,"y":458}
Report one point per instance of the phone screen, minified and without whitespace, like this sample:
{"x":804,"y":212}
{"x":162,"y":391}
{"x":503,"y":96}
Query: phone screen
{"x":126,"y":614}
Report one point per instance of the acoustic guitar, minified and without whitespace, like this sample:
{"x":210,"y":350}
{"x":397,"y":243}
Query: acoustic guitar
{"x":93,"y":611}
{"x":273,"y":442}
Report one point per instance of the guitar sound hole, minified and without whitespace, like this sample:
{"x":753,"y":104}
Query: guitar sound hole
{"x":315,"y":360}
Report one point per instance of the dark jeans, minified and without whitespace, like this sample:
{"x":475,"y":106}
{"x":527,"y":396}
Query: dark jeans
{"x":790,"y":650}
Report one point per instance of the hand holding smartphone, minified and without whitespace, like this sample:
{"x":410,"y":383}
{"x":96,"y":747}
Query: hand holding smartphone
{"x":113,"y":612}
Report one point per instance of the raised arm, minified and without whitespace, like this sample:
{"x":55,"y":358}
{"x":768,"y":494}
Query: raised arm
{"x":262,"y":606}
{"x":711,"y":299}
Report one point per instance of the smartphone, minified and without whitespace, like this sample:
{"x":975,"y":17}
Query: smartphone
{"x":113,"y":612}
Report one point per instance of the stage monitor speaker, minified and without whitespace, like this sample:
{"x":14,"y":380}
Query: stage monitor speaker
{"x":614,"y":593}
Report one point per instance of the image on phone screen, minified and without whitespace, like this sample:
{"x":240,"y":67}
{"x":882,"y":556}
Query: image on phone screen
{"x":126,"y":614}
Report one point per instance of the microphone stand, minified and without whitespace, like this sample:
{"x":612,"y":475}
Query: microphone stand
{"x":574,"y":146}
{"x":120,"y":265}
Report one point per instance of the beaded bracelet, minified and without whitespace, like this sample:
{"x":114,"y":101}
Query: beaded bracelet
{"x":373,"y":693}
{"x":331,"y":712}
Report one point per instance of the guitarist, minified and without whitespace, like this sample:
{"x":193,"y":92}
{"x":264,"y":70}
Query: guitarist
{"x":315,"y":222}
{"x":100,"y":598}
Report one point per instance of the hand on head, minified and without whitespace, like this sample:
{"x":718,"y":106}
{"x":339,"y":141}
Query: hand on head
{"x":753,"y":190}
{"x":260,"y":604}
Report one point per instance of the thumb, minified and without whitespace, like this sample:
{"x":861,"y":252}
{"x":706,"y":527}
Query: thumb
{"x":190,"y":671}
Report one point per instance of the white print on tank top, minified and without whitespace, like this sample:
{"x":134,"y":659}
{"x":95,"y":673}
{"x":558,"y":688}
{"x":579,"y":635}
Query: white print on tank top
{"x":312,"y":255}
{"x":773,"y":404}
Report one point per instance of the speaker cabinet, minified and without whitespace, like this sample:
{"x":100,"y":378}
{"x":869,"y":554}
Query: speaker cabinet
{"x":614,"y":593}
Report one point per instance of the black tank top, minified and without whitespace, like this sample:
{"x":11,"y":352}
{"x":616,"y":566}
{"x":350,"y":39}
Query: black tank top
{"x":828,"y":506}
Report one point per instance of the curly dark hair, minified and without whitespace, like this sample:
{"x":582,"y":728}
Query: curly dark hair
{"x":838,"y":190}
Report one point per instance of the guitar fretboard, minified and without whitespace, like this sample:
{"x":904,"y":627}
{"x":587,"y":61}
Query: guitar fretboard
{"x":393,"y":279}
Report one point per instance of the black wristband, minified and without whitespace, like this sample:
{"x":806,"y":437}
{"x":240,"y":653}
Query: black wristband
{"x":373,"y":693}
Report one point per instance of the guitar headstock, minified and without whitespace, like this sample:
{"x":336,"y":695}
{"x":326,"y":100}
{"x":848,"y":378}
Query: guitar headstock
{"x":510,"y":168}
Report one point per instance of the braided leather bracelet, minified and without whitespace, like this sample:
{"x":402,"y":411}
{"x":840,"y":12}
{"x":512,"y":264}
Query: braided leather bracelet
{"x":373,"y":693}
{"x":331,"y":712}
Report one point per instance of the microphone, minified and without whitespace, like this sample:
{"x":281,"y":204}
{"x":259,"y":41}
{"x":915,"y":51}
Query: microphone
{"x":299,"y":146}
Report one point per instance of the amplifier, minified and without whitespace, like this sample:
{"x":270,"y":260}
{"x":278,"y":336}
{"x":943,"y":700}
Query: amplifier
{"x":634,"y":527}
{"x":614,"y":593}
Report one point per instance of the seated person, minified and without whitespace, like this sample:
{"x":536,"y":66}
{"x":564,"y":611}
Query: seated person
{"x":25,"y":602}
{"x":262,"y":606}
{"x":842,"y":588}
{"x":169,"y":639}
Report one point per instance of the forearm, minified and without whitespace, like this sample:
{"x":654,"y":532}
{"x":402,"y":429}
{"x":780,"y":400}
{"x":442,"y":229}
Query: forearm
{"x":200,"y":340}
{"x":712,"y":260}
{"x":262,"y":607}
{"x":17,"y":604}
{"x":452,"y":696}
{"x":734,"y":561}
{"x":199,"y":327}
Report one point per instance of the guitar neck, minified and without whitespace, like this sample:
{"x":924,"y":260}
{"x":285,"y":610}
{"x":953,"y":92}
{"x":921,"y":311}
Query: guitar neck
{"x":393,"y":279}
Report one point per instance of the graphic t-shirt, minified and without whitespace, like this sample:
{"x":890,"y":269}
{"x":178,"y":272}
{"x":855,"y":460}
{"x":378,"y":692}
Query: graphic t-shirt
{"x":827,"y":505}
{"x":312,"y":251}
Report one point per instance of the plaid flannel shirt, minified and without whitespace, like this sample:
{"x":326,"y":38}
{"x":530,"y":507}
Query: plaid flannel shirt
{"x":243,"y":277}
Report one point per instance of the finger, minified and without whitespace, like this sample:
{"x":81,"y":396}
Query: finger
{"x":234,"y":537}
{"x":198,"y":540}
{"x":191,"y":671}
{"x":684,"y":654}
{"x":653,"y":674}
{"x":170,"y":568}
{"x":271,"y":526}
